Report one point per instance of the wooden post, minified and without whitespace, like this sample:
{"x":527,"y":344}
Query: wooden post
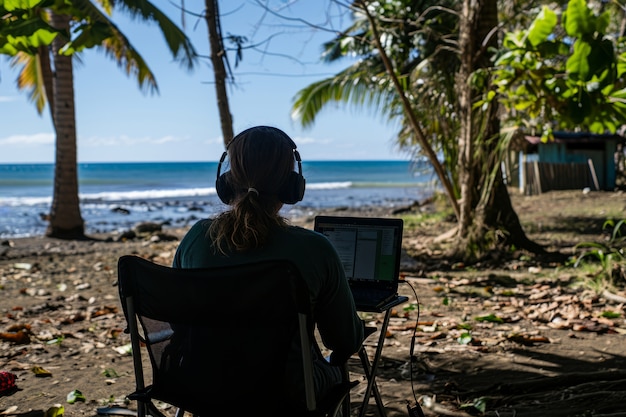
{"x":537,"y":176}
{"x":594,"y":177}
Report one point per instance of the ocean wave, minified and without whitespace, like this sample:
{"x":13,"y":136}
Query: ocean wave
{"x":153,"y":194}
{"x":328,"y":185}
{"x":147,"y":194}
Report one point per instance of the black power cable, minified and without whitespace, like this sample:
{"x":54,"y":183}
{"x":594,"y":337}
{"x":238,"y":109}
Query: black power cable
{"x":414,"y":410}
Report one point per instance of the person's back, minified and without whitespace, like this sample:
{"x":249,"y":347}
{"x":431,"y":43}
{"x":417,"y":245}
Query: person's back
{"x":260,"y":180}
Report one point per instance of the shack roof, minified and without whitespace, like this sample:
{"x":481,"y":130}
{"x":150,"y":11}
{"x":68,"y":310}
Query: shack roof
{"x":578,"y":137}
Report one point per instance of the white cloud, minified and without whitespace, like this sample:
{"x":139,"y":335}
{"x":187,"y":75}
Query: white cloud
{"x":311,"y":141}
{"x":167,"y":139}
{"x":29,"y":140}
{"x":214,"y":141}
{"x":7,"y":99}
{"x":128,"y":141}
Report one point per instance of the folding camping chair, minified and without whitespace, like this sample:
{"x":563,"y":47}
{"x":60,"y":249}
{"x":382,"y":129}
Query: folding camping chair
{"x":219,"y":338}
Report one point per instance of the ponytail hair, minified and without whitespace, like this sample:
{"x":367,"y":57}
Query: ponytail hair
{"x":261,"y":160}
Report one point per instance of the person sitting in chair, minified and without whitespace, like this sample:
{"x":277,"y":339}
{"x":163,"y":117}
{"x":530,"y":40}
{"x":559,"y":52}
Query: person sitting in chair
{"x":260,"y":180}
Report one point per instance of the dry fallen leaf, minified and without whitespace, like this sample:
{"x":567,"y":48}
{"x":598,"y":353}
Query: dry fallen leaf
{"x":41,"y":372}
{"x":19,"y":338}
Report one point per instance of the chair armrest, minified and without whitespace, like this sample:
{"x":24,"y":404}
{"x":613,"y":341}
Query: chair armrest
{"x":160,"y":336}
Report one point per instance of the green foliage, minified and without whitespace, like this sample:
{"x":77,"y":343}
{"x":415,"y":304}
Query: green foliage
{"x":55,"y":411}
{"x":563,"y":76}
{"x":22,"y":29}
{"x":465,"y":338}
{"x":611,"y":257}
{"x":56,"y":341}
{"x":491,"y":318}
{"x":110,"y":373}
{"x":479,"y":404}
{"x":611,"y":314}
{"x":74,"y":396}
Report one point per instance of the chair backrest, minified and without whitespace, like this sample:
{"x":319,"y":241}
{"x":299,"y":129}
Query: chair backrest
{"x":219,"y":338}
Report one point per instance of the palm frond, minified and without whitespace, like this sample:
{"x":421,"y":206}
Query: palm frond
{"x":178,"y":43}
{"x":30,"y":78}
{"x":95,"y":29}
{"x":355,"y":86}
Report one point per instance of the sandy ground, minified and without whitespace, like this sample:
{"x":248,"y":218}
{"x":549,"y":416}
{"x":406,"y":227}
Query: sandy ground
{"x":506,"y":338}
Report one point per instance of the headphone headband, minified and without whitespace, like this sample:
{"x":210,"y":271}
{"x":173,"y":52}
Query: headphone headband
{"x":290,"y":192}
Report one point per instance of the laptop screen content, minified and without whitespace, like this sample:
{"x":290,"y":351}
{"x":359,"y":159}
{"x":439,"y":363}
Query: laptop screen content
{"x":369,"y":248}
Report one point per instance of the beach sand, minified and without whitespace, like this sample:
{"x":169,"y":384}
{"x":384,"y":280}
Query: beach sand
{"x":552,"y":353}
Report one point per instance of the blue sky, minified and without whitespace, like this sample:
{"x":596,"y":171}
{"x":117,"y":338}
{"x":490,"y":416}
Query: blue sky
{"x":116,"y":122}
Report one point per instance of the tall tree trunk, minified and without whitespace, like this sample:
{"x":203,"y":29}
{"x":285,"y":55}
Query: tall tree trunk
{"x":66,"y":221}
{"x":218,"y":56}
{"x":466,"y":163}
{"x":479,"y":166}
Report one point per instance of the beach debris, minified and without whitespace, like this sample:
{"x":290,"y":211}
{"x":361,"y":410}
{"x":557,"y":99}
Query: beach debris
{"x":22,"y":265}
{"x":147,"y":227}
{"x":19,"y":337}
{"x":127,"y":235}
{"x":528,"y":339}
{"x":9,"y":410}
{"x":56,"y":410}
{"x":74,"y":396}
{"x":115,"y":411}
{"x":163,"y":237}
{"x":7,"y":382}
{"x":110,"y":373}
{"x":41,"y":372}
{"x":126,"y":349}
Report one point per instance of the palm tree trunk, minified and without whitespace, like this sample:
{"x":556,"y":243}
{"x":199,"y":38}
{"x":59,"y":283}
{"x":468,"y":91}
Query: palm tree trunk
{"x":218,"y":55}
{"x":66,"y":221}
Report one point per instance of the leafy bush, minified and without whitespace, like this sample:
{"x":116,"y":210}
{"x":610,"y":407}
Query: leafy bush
{"x":610,"y":255}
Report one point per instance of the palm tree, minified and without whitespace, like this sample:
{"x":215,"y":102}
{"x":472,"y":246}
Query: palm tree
{"x":393,"y":79}
{"x":417,"y":60}
{"x":46,"y":71}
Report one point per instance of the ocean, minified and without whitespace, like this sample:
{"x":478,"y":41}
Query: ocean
{"x":116,"y":196}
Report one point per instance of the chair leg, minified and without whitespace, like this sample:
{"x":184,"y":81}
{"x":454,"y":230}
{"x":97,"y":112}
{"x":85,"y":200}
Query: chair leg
{"x":345,"y":404}
{"x":141,"y":409}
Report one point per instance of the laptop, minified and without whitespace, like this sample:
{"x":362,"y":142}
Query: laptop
{"x":370,"y":250}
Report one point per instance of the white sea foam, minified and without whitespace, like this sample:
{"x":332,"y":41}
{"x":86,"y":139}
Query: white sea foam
{"x":328,"y":185}
{"x":148,"y":194}
{"x":139,"y":195}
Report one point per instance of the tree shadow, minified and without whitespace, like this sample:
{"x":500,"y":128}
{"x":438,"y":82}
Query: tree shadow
{"x":522,"y":382}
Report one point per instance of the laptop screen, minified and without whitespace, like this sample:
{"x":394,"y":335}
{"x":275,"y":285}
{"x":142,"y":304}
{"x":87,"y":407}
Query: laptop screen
{"x":369,"y":247}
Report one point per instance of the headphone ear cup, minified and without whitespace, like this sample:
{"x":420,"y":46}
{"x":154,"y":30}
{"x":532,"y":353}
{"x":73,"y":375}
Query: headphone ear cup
{"x":292,"y":190}
{"x":224,"y":189}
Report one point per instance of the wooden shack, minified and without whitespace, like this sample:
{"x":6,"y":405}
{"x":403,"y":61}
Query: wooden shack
{"x":570,"y":161}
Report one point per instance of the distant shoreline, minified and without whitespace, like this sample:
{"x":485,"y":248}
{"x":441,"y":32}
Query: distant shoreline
{"x":197,"y":162}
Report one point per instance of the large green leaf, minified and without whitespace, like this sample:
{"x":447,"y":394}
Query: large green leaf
{"x":577,"y":65}
{"x":578,"y":19}
{"x":542,"y":26}
{"x":14,"y":5}
{"x":621,"y":65}
{"x":601,"y":60}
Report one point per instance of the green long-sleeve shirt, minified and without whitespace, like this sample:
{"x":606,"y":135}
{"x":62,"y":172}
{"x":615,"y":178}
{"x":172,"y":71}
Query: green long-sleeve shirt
{"x":338,"y":323}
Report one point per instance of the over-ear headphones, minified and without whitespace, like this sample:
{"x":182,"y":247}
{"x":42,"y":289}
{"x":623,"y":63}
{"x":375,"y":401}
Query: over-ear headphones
{"x":290,"y":192}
